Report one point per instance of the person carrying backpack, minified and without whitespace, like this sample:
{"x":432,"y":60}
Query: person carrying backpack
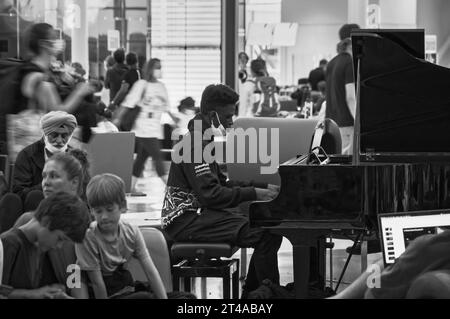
{"x":259,"y":96}
{"x":27,"y":94}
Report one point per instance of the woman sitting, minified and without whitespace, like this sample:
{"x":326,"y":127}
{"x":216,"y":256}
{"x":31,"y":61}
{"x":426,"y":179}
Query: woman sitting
{"x":63,"y":172}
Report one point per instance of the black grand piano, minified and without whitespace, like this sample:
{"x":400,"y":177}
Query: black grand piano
{"x":402,"y":147}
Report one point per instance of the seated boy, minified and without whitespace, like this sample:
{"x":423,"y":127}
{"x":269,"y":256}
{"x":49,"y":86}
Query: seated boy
{"x":110,"y":243}
{"x":27,"y":268}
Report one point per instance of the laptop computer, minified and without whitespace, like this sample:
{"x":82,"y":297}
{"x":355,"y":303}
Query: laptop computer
{"x":112,"y":153}
{"x":398,"y":230}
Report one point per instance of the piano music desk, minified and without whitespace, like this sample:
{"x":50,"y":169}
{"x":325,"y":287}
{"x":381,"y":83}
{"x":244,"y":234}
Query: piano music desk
{"x":303,"y":236}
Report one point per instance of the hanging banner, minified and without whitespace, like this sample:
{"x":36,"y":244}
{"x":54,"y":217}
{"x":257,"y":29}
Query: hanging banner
{"x":373,"y":16}
{"x":285,"y":34}
{"x":272,"y":34}
{"x":113,"y":40}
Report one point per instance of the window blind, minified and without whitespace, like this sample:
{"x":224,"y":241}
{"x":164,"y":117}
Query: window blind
{"x":186,"y":36}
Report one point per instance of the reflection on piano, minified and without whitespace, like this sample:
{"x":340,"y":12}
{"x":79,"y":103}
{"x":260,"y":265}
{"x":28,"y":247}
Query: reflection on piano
{"x":403,"y":155}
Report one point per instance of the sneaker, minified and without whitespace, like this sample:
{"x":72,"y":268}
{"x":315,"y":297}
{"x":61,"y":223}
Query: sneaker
{"x":244,"y":294}
{"x":373,"y":247}
{"x":262,"y":292}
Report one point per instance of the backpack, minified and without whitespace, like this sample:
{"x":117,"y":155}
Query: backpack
{"x":10,"y":79}
{"x":12,"y":102}
{"x":268,"y":104}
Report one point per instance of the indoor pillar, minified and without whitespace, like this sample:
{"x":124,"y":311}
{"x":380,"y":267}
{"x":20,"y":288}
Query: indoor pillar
{"x":80,"y":34}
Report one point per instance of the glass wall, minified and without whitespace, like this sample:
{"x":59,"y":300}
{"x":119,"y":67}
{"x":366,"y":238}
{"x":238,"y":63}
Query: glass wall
{"x":185,"y":34}
{"x":260,"y":11}
{"x":264,"y":11}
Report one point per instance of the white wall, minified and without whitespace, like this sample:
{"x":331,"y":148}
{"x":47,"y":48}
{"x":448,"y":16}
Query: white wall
{"x":398,"y":14}
{"x":319,"y":22}
{"x":357,"y":11}
{"x":433,"y":16}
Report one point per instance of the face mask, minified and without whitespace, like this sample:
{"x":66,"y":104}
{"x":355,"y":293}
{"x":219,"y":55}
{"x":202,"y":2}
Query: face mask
{"x":157,"y":74}
{"x":57,"y":46}
{"x":52,"y":149}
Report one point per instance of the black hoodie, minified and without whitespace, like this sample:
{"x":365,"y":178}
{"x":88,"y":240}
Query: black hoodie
{"x":195,"y":188}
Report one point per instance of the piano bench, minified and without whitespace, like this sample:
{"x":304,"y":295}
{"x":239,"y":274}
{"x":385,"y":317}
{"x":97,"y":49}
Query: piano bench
{"x":203,"y":260}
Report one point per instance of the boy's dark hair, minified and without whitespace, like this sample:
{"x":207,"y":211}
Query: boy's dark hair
{"x":37,"y":33}
{"x":65,"y":212}
{"x":119,"y":56}
{"x":106,"y":189}
{"x":131,"y":59}
{"x":346,"y":30}
{"x":258,"y":67}
{"x":217,"y":95}
{"x":323,"y":62}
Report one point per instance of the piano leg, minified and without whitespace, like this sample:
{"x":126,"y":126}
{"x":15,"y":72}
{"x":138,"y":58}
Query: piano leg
{"x":302,"y":241}
{"x":318,"y":264}
{"x":301,"y":261}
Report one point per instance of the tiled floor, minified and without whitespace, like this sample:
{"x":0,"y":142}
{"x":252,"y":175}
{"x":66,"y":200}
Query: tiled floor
{"x":154,"y":188}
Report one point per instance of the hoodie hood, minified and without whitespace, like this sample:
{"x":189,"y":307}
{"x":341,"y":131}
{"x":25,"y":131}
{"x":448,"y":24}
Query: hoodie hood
{"x":206,"y":123}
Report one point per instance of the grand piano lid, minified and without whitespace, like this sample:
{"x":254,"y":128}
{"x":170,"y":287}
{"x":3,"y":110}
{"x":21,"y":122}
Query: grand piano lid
{"x":404,"y":100}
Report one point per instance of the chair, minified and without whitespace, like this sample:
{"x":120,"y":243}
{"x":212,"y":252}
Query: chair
{"x":157,"y":247}
{"x":112,"y":153}
{"x":295,"y":138}
{"x":204,"y":260}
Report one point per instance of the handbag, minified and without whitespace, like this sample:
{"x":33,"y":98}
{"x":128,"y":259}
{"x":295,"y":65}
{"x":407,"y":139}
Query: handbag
{"x":128,"y":118}
{"x":23,"y":129}
{"x":130,"y":115}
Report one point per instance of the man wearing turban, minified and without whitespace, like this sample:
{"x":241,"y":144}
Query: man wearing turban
{"x":58,"y":128}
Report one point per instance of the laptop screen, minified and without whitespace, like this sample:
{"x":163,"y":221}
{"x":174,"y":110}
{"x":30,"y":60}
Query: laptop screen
{"x":398,"y":230}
